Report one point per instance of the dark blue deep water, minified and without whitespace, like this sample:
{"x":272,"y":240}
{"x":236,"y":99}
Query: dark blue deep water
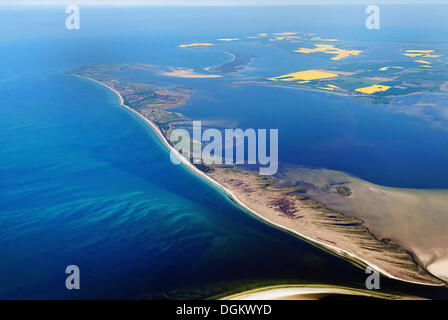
{"x":84,"y":182}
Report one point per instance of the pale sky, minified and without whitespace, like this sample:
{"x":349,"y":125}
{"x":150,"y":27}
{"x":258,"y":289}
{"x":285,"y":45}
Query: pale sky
{"x":209,"y":2}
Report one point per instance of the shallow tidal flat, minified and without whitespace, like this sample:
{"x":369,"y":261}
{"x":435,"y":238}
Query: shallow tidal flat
{"x":413,"y":219}
{"x":291,"y":209}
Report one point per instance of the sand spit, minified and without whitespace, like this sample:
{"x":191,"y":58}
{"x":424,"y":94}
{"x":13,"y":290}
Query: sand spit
{"x":311,"y":292}
{"x":330,"y":230}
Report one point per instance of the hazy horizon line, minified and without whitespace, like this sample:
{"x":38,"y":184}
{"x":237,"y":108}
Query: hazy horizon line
{"x":213,"y":3}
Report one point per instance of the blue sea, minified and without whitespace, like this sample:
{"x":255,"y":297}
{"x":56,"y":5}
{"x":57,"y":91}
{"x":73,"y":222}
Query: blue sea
{"x":85,"y":182}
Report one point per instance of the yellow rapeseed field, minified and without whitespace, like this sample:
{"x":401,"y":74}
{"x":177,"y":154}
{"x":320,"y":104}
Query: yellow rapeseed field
{"x":284,"y":33}
{"x":420,"y":53}
{"x":326,"y":88}
{"x":330,"y":49}
{"x":228,"y":39}
{"x":373,"y":89}
{"x":195,"y":44}
{"x":304,"y":75}
{"x":422,"y":61}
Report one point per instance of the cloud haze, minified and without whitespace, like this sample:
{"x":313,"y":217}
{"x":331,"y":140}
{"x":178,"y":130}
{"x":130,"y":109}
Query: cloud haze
{"x":207,"y":2}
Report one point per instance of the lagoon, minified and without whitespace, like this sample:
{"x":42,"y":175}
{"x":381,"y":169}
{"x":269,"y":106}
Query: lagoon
{"x":84,"y":182}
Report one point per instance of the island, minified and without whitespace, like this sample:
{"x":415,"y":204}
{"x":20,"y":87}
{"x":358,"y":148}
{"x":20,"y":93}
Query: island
{"x":286,"y":208}
{"x":376,"y":80}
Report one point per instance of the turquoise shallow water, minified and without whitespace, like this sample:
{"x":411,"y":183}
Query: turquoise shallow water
{"x":85,"y":182}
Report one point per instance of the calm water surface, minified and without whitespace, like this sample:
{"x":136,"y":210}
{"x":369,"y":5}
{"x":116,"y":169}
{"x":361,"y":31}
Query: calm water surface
{"x":84,"y":182}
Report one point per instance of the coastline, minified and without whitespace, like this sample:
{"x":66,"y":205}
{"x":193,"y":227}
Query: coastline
{"x":382,"y":210}
{"x":218,"y":65}
{"x":235,"y":67}
{"x":356,"y":260}
{"x":444,"y":86}
{"x":311,"y":292}
{"x":336,"y":93}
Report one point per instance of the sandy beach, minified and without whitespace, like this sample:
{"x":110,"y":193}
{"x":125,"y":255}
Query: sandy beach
{"x":401,"y":267}
{"x":310,"y":292}
{"x":415,"y":219}
{"x":187,"y":73}
{"x":331,"y":230}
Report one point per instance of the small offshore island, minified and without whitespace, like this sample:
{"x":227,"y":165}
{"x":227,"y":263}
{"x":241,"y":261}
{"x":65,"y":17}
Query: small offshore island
{"x":287,"y":208}
{"x":375,"y":81}
{"x":349,"y":124}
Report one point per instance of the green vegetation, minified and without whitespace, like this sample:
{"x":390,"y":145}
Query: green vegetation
{"x":240,"y":60}
{"x":204,"y":168}
{"x":401,"y":78}
{"x":344,"y":191}
{"x":150,"y":100}
{"x":351,"y":83}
